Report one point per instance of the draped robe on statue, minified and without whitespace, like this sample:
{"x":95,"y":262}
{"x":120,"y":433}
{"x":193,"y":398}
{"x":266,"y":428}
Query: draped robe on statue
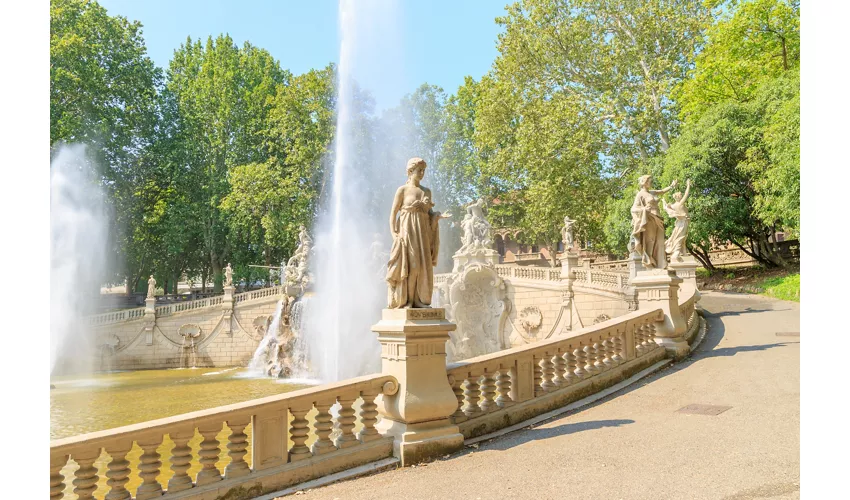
{"x":410,"y":271}
{"x":648,"y":231}
{"x":676,"y":242}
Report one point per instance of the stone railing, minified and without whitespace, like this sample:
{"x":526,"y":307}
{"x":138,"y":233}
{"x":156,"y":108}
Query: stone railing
{"x":257,"y":294}
{"x":499,"y":389}
{"x":611,"y":265}
{"x":188,"y":306}
{"x":689,"y":312}
{"x":275,"y":464}
{"x":116,"y":316}
{"x":606,"y":280}
{"x":529,"y":273}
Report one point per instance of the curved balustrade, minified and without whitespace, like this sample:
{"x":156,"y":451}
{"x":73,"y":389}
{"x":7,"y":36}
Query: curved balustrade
{"x":257,"y":294}
{"x":276,"y":422}
{"x":496,"y":382}
{"x":188,"y":306}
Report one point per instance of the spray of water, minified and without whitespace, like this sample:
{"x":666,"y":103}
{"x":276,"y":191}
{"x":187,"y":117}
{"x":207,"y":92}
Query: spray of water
{"x":78,"y":239}
{"x":349,"y":294}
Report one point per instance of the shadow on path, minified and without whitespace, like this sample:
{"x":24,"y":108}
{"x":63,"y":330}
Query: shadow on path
{"x":747,"y":310}
{"x":537,"y":433}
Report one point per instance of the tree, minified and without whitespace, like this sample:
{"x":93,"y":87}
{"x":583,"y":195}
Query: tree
{"x":223,"y":97}
{"x":753,"y":41}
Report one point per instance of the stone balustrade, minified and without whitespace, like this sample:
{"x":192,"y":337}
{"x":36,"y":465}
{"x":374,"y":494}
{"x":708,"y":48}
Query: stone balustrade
{"x":257,"y":294}
{"x":278,"y":446}
{"x":190,"y":305}
{"x":500,"y":389}
{"x":116,"y":316}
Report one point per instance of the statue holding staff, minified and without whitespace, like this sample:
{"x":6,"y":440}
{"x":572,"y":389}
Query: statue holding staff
{"x":416,"y":241}
{"x":679,"y":211}
{"x":647,"y":226}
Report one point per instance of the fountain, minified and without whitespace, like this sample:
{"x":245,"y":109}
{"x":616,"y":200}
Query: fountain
{"x":78,"y":239}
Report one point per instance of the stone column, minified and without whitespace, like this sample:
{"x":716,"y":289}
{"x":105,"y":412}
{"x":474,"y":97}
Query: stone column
{"x":687,"y":270}
{"x":660,"y":289}
{"x":413,"y":349}
{"x":150,"y":319}
{"x":227,"y":307}
{"x":569,"y":262}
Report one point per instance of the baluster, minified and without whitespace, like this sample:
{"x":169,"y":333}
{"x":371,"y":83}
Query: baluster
{"x":457,"y":387}
{"x":149,"y":465}
{"x":548,"y":373}
{"x":590,"y":359}
{"x":298,"y":433}
{"x":646,"y":338}
{"x":181,"y":458}
{"x":324,"y":427}
{"x":639,"y":349}
{"x":346,"y":423}
{"x":599,"y":363}
{"x":618,"y":349}
{"x":503,"y":385}
{"x":488,"y":391}
{"x":369,"y":416}
{"x":237,"y":445}
{"x":580,"y":362}
{"x":472,"y":395}
{"x":538,"y":377}
{"x":608,"y":347}
{"x":119,"y":470}
{"x":559,"y":366}
{"x":570,"y":376}
{"x":57,"y":480}
{"x":209,"y":453}
{"x":86,"y":476}
{"x":650,"y":338}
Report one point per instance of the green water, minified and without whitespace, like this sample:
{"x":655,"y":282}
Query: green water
{"x":104,"y":401}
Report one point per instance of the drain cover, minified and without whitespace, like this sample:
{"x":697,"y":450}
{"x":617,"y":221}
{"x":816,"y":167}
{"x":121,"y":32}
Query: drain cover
{"x":787,"y":334}
{"x":698,"y":409}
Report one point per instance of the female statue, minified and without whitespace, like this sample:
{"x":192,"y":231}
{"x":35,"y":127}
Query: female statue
{"x":416,"y":240}
{"x":567,"y":233}
{"x":678,"y":210}
{"x":151,"y":287}
{"x":647,"y":226}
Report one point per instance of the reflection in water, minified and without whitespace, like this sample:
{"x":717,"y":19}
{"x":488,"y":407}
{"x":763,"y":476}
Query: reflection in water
{"x":105,"y":401}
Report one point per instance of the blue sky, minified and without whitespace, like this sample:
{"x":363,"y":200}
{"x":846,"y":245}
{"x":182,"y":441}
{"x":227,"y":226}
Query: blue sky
{"x":435,"y":41}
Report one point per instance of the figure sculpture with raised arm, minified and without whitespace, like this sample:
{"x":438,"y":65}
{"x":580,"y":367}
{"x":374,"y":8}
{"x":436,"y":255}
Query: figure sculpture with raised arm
{"x":416,"y":240}
{"x":647,"y":225}
{"x":679,"y":211}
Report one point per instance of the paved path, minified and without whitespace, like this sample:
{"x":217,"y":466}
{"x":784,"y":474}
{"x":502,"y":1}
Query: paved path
{"x":634,"y":445}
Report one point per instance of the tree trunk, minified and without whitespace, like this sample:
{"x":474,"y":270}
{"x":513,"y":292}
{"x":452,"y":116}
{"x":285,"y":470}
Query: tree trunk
{"x":703,"y":257}
{"x":215,"y":263}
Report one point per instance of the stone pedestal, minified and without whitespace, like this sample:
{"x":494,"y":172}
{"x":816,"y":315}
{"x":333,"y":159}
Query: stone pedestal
{"x":659,"y":288}
{"x":227,"y":307}
{"x":687,"y":270}
{"x":481,"y":256}
{"x":413,"y":349}
{"x":569,"y":262}
{"x":635,"y":265}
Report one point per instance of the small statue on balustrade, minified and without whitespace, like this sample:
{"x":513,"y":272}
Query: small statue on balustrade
{"x":151,"y":287}
{"x":676,"y":244}
{"x":416,"y":240}
{"x":567,"y":234}
{"x":647,"y":225}
{"x":476,"y":229}
{"x":228,"y":275}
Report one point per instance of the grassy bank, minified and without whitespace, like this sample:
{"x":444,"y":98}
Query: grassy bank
{"x":778,"y":283}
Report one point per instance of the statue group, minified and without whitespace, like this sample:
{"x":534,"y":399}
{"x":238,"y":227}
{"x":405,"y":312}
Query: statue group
{"x":476,"y":229}
{"x":648,"y":240}
{"x":297,"y":270}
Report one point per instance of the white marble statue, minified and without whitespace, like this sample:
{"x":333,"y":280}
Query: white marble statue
{"x":228,"y":275}
{"x":151,"y":287}
{"x":679,"y":211}
{"x":297,"y":271}
{"x":476,"y":229}
{"x":416,"y":240}
{"x":567,"y":234}
{"x":647,"y":226}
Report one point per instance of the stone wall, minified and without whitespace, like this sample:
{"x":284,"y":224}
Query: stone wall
{"x":223,"y":337}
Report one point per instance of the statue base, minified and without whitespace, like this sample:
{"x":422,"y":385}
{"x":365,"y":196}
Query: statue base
{"x":687,"y":270}
{"x":413,"y":349}
{"x":483,"y":256}
{"x":659,"y":289}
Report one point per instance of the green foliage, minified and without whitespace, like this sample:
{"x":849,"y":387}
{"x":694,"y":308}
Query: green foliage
{"x":783,"y":288}
{"x":752,"y":41}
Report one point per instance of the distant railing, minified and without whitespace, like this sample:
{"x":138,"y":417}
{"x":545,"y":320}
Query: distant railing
{"x":490,"y":383}
{"x":257,"y":294}
{"x":116,"y":316}
{"x":188,"y":306}
{"x":271,"y":455}
{"x":589,"y":278}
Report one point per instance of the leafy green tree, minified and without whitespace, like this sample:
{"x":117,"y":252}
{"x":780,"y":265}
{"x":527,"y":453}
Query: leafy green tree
{"x":752,"y":42}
